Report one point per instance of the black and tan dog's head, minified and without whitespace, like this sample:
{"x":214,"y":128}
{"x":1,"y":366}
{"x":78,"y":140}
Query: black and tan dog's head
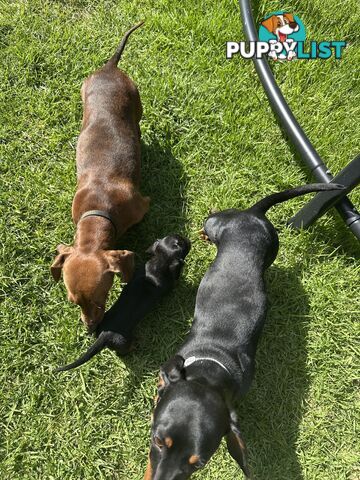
{"x":189,"y":421}
{"x":173,"y":248}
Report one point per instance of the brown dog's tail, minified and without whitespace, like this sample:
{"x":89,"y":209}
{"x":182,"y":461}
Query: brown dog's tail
{"x":263,"y":205}
{"x":114,"y":60}
{"x":95,"y":348}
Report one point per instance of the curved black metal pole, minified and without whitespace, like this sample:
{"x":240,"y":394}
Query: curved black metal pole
{"x":290,"y":124}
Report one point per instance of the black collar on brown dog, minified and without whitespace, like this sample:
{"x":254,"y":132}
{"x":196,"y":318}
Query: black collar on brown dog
{"x":99,"y":213}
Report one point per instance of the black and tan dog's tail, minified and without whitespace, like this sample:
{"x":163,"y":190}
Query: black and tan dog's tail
{"x":95,"y":348}
{"x":263,"y":205}
{"x":114,"y":60}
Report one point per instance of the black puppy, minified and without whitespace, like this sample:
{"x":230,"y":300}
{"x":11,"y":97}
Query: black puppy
{"x":215,"y":364}
{"x":149,"y":284}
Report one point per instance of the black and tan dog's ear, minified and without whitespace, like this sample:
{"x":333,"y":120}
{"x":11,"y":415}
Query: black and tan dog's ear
{"x":270,"y":23}
{"x":63,"y":252}
{"x":171,"y":372}
{"x":121,"y":261}
{"x":237,"y":448}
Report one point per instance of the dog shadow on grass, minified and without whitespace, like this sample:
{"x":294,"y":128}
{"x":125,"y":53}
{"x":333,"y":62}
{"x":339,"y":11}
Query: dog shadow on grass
{"x":158,"y":337}
{"x":271,"y":413}
{"x":163,"y":179}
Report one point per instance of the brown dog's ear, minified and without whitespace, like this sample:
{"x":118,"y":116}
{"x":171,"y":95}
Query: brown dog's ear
{"x":64,"y":251}
{"x":236,"y":447}
{"x":270,"y":23}
{"x":121,"y":261}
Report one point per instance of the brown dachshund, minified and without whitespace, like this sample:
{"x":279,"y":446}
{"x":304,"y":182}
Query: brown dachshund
{"x":107,"y":201}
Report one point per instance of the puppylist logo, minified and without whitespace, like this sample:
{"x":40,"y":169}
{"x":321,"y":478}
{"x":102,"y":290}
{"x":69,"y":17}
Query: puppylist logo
{"x":282,"y":37}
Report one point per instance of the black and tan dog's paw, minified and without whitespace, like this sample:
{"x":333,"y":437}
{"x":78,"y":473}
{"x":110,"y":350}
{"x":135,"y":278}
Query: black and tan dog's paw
{"x":203,"y":236}
{"x":212,"y":211}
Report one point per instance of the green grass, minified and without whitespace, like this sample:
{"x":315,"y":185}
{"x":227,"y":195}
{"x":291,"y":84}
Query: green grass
{"x":209,"y":140}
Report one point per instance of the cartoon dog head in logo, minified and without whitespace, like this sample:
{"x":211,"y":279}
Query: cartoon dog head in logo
{"x":282,"y":25}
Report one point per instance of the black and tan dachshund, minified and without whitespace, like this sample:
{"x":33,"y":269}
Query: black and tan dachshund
{"x":150,"y":283}
{"x":215,"y":364}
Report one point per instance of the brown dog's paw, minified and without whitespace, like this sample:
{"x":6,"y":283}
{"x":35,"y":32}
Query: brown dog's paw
{"x":121,"y":261}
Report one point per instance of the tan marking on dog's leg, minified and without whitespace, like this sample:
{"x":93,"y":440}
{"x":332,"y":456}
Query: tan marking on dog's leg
{"x":161,"y":382}
{"x":243,"y":449}
{"x":194,"y":459}
{"x":241,"y":443}
{"x":148,"y":472}
{"x":203,"y":235}
{"x":169,"y":442}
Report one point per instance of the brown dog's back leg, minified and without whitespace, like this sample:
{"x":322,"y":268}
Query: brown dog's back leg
{"x":141,"y":207}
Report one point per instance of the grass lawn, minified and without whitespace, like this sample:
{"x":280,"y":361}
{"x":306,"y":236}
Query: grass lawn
{"x":209,"y":140}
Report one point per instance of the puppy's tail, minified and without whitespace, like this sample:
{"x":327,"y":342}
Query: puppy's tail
{"x":95,"y":348}
{"x":263,"y":205}
{"x":114,"y":60}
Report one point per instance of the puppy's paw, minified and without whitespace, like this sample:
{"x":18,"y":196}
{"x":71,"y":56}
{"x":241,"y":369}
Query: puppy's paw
{"x":291,"y":56}
{"x":272,"y":55}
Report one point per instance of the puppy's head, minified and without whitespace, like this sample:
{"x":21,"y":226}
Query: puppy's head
{"x":89,"y":277}
{"x":281,"y":25}
{"x":189,"y":421}
{"x":290,"y":20}
{"x":174,"y":249}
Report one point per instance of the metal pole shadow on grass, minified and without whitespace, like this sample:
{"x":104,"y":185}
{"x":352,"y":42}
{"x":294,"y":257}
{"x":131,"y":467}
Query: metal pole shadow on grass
{"x":349,"y":176}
